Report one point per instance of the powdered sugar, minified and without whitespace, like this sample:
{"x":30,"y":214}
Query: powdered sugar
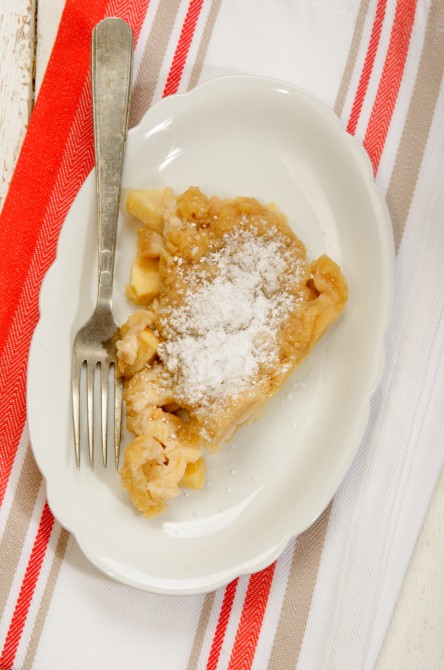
{"x":226,"y":327}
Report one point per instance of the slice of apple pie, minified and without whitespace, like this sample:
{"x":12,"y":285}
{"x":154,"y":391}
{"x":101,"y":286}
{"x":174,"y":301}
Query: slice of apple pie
{"x":231,"y":306}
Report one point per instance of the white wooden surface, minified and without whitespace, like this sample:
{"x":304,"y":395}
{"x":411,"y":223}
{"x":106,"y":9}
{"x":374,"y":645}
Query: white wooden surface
{"x":16,"y":86}
{"x":415,"y":639}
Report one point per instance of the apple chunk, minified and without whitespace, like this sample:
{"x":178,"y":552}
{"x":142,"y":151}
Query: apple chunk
{"x":147,"y":344}
{"x":148,"y":206}
{"x":194,"y":476}
{"x":145,"y":281}
{"x":149,"y":243}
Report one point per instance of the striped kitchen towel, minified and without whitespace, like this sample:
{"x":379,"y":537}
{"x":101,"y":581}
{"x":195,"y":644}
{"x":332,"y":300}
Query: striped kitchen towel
{"x":327,"y":601}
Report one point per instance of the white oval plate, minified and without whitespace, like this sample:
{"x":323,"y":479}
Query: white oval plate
{"x":231,"y":136}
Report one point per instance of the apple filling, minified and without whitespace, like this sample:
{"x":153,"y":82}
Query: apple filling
{"x":228,"y":308}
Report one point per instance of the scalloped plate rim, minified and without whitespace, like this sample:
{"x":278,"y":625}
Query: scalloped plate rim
{"x":254,"y":564}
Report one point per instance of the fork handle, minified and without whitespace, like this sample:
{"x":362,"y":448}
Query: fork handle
{"x":111,"y":65}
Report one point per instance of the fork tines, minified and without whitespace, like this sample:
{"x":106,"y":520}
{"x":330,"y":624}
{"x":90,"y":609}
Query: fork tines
{"x":100,"y":379}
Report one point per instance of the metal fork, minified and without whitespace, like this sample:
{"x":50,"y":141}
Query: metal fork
{"x":94,"y":344}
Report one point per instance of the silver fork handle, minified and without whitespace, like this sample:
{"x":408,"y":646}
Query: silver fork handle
{"x":112,"y":57}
